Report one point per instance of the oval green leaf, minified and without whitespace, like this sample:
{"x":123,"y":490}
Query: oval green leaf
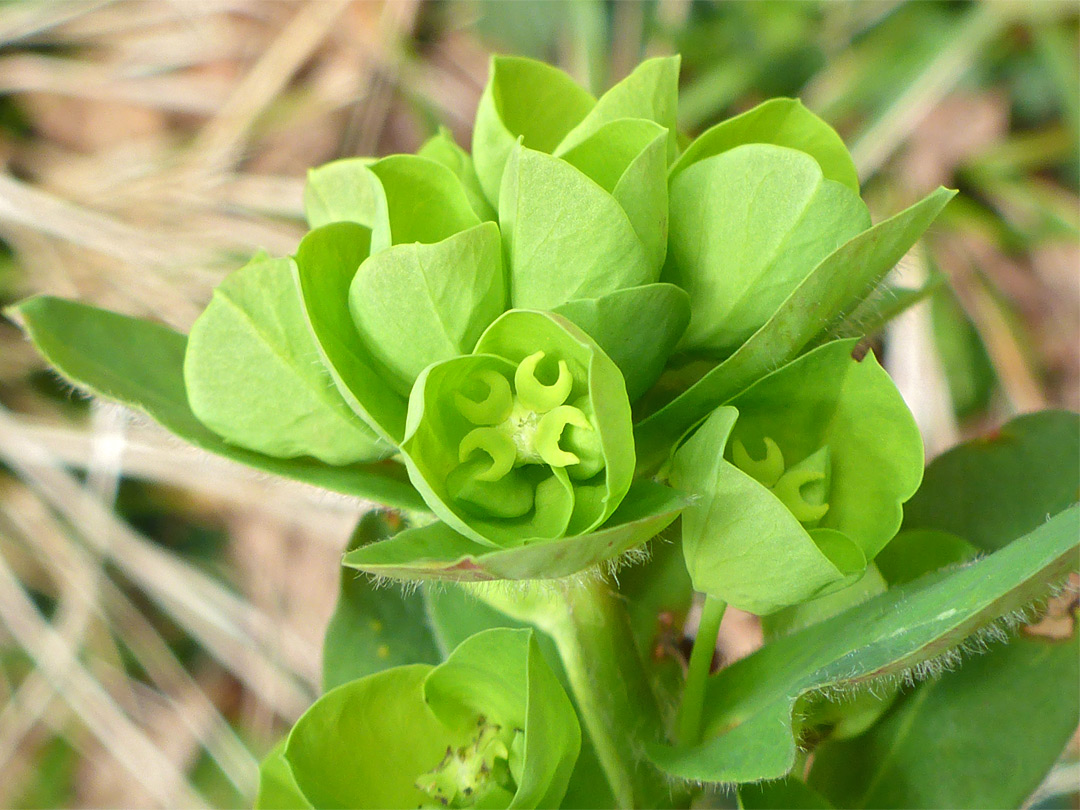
{"x":523,"y":99}
{"x":141,"y":364}
{"x":783,"y":122}
{"x":255,"y":377}
{"x":747,"y":227}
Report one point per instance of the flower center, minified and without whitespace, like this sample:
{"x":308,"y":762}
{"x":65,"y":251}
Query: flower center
{"x":803,"y":488}
{"x":531,"y":424}
{"x":484,"y":771}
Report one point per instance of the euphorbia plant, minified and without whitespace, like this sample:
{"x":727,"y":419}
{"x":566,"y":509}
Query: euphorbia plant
{"x":577,"y":345}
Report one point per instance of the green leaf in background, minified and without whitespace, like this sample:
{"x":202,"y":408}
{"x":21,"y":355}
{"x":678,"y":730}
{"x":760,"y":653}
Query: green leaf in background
{"x":804,"y":488}
{"x":340,"y":191}
{"x":416,"y":304}
{"x":373,"y":628}
{"x":277,"y":788}
{"x":834,"y":288}
{"x":442,"y":148}
{"x":748,"y":723}
{"x":638,"y":328}
{"x":994,"y":488}
{"x":254,"y":375}
{"x":658,"y":594}
{"x":747,"y":226}
{"x":983,"y":736}
{"x":140,"y":364}
{"x":914,"y":552}
{"x":455,"y":614}
{"x":524,"y":99}
{"x":783,"y":794}
{"x":565,"y":236}
{"x":650,"y":92}
{"x":783,"y":122}
{"x":490,"y":725}
{"x":969,"y":371}
{"x":438,"y":552}
{"x":417,"y":200}
{"x":326,"y":263}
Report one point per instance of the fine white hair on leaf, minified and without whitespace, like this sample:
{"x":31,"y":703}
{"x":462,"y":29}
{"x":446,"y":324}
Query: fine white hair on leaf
{"x":850,"y":686}
{"x":605,"y":570}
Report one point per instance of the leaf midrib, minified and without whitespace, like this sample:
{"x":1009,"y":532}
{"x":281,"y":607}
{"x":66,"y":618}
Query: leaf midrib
{"x":321,"y":395}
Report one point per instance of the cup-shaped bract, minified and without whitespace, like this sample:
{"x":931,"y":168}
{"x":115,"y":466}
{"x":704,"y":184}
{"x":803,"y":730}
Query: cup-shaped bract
{"x":801,"y":481}
{"x":489,"y":727}
{"x":542,"y":107}
{"x":747,"y":227}
{"x":527,"y":438}
{"x":580,"y":185}
{"x":434,"y":279}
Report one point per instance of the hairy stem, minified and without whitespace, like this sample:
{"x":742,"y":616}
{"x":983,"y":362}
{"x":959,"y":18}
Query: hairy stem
{"x":689,"y":725}
{"x":613,"y":692}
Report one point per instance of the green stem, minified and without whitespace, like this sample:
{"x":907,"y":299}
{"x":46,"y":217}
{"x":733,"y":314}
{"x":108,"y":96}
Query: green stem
{"x":697,"y":674}
{"x":614,"y":696}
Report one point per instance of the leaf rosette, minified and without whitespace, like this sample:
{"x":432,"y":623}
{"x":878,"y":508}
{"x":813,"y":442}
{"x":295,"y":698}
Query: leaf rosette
{"x":802,"y":478}
{"x":489,"y":727}
{"x":529,"y":438}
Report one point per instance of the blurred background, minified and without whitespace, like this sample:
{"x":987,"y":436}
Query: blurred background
{"x":161,"y":610}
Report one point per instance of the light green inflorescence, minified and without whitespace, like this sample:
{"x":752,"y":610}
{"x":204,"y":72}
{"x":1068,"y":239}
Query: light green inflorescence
{"x":803,"y":488}
{"x":526,"y":421}
{"x":481,"y":773}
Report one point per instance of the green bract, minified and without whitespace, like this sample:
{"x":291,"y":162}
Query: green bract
{"x":489,"y":727}
{"x":528,"y":438}
{"x":428,"y":248}
{"x":801,"y":480}
{"x":545,"y":109}
{"x":253,"y":374}
{"x":747,"y":226}
{"x":580,"y":185}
